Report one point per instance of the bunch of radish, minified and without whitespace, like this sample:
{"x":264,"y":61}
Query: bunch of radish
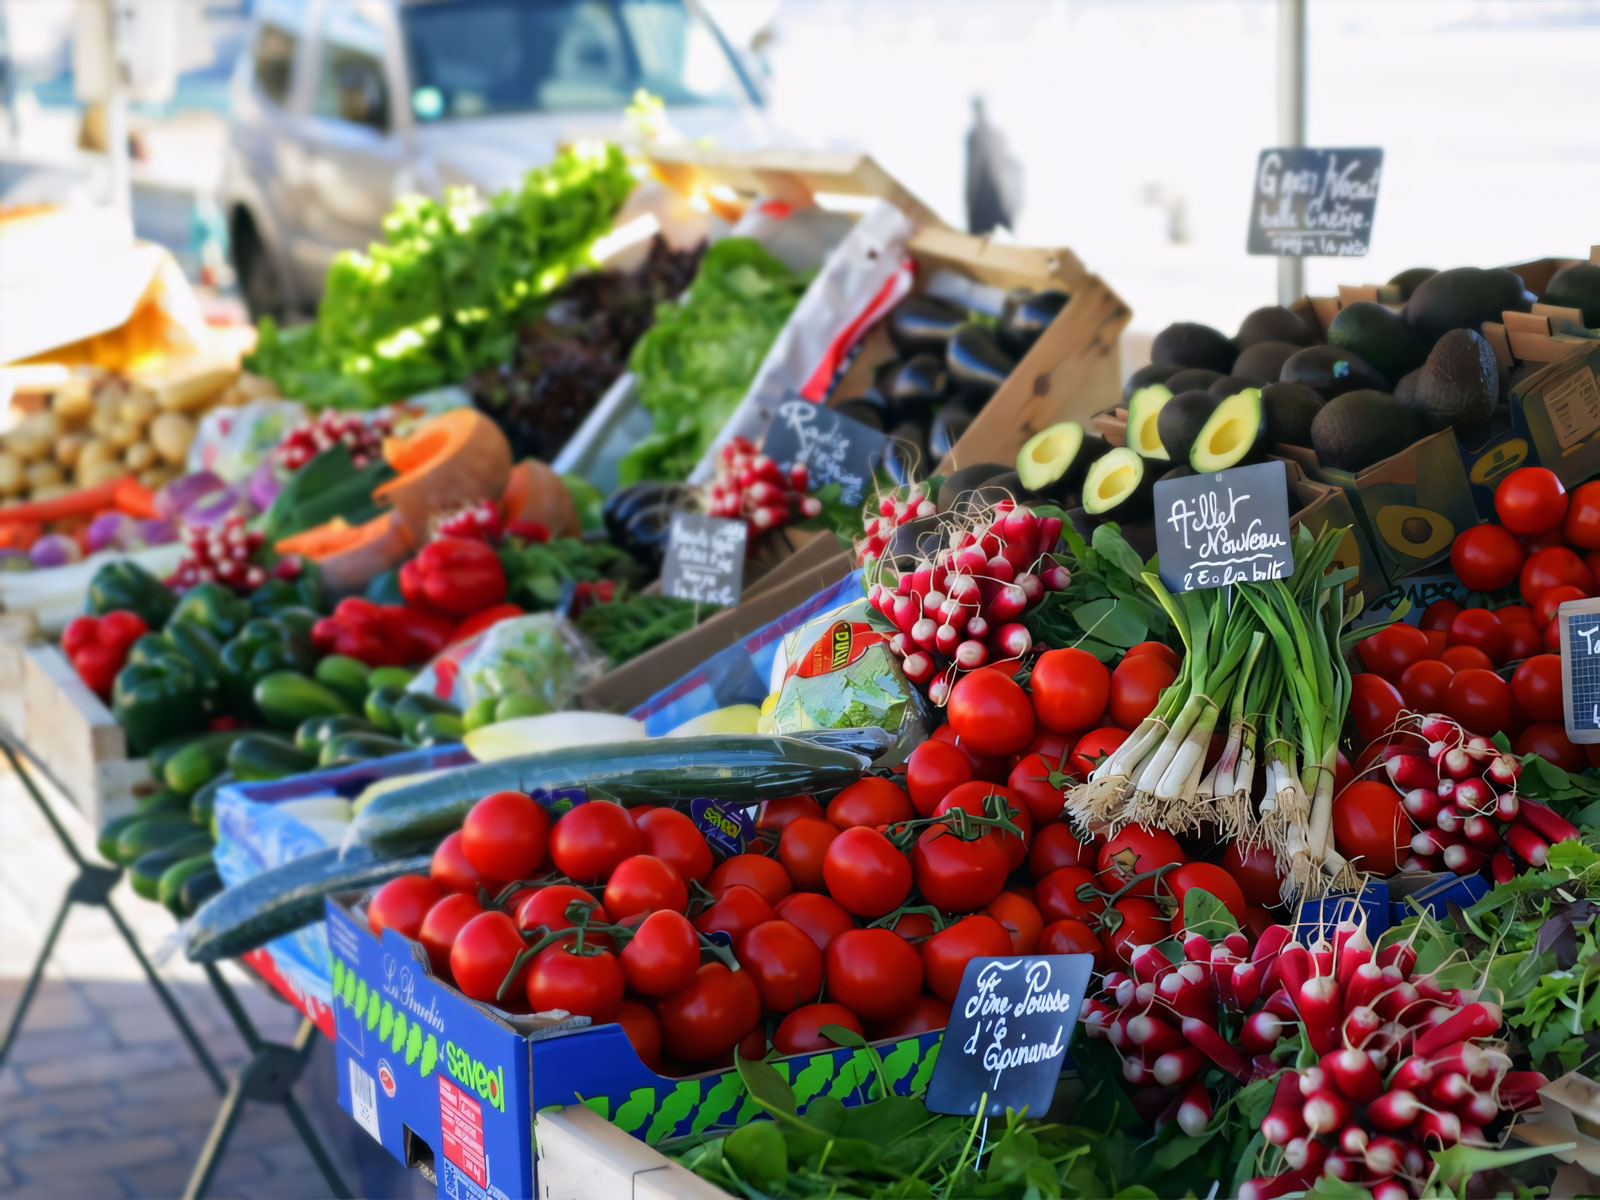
{"x":222,"y":554}
{"x":961,"y":608}
{"x":750,"y":486}
{"x":894,"y":511}
{"x":1460,"y":792}
{"x":360,"y":434}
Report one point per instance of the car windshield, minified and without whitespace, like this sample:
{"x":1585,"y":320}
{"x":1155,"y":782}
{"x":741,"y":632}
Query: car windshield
{"x":475,"y":58}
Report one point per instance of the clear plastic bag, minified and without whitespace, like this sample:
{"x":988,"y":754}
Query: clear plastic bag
{"x":541,"y":655}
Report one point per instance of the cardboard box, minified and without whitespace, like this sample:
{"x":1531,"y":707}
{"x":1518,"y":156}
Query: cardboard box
{"x":1420,"y":591}
{"x":1571,"y":1112}
{"x":1557,"y":409}
{"x":1548,"y":332}
{"x":1491,"y":454}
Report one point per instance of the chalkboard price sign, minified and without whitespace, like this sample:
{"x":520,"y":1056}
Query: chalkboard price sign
{"x":705,"y":559}
{"x":1217,"y":530}
{"x":1315,"y":203}
{"x":1580,"y":667}
{"x":1008,"y":1034}
{"x":834,"y":448}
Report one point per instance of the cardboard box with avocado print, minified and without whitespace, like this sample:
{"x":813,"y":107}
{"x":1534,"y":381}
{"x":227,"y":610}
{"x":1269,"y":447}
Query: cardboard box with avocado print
{"x":451,"y":1085}
{"x":1557,"y":409}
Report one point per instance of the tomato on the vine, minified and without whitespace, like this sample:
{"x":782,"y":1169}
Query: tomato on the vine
{"x":450,"y":869}
{"x":1030,"y":781}
{"x":1552,"y":567}
{"x":672,"y":837}
{"x":1071,"y":937}
{"x":802,"y":848}
{"x":402,"y":904}
{"x":989,"y":711}
{"x":873,"y":972}
{"x":711,"y":1016}
{"x":1057,"y":895}
{"x":586,"y":983}
{"x":801,"y":1031}
{"x":1375,"y":705}
{"x":924,"y":1014}
{"x":644,"y":884}
{"x":1370,"y":828}
{"x":663,"y":954}
{"x":1093,"y":746}
{"x":1159,"y":649}
{"x":1206,"y":877}
{"x":977,"y":797}
{"x":1256,"y":870}
{"x":1536,"y":687}
{"x":955,"y":875}
{"x":1020,"y":918}
{"x":505,"y":835}
{"x":757,"y":871}
{"x":775,"y":814}
{"x":913,"y":926}
{"x":785,"y":964}
{"x":1548,"y":739}
{"x":1134,"y":849}
{"x":1139,"y":923}
{"x":1530,"y":500}
{"x":1425,"y":685}
{"x":1055,"y":748}
{"x":1136,"y":687}
{"x":1480,"y":700}
{"x":1070,"y":688}
{"x":643,"y":1031}
{"x":992,"y":767}
{"x":590,"y":839}
{"x":870,"y":801}
{"x":440,"y":927}
{"x":550,"y":907}
{"x":481,"y":958}
{"x":946,"y":954}
{"x":1486,"y":558}
{"x":1056,"y":846}
{"x":932,"y":770}
{"x":821,"y":917}
{"x":866,"y":873}
{"x":736,"y":912}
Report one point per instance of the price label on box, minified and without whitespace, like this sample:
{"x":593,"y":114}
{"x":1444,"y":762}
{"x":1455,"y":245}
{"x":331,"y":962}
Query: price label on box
{"x":1579,"y":622}
{"x":1213,"y":531}
{"x":705,"y":559}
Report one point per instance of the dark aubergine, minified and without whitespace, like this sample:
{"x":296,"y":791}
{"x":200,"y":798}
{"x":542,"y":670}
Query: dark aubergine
{"x":871,"y":410}
{"x":646,"y":533}
{"x":622,"y":504}
{"x":905,"y":454}
{"x":915,"y":385}
{"x":977,"y":364}
{"x":923,"y":324}
{"x":946,"y":428}
{"x":1026,"y":315}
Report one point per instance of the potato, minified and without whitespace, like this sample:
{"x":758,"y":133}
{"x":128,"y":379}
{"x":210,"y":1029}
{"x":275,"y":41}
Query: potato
{"x":73,"y":400}
{"x":102,"y":423}
{"x":99,"y":472}
{"x":50,"y":491}
{"x":34,"y":437}
{"x":94,"y":452}
{"x":68,"y":447}
{"x":170,"y":434}
{"x":156,"y":478}
{"x":140,"y":456}
{"x":11,"y":478}
{"x":43,"y":475}
{"x":123,"y":435}
{"x":136,"y":409}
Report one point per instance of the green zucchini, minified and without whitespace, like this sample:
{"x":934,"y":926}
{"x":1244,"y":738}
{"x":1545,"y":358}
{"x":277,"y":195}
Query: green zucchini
{"x":345,"y":675}
{"x":197,"y":889}
{"x":414,"y":707}
{"x":267,"y":756}
{"x":192,"y":767}
{"x":145,"y":872}
{"x":175,"y":876}
{"x":743,"y":768}
{"x":164,"y":800}
{"x":204,"y":802}
{"x":395,"y":677}
{"x":287,"y":698}
{"x":152,"y":833}
{"x":111,"y":831}
{"x":283,"y":898}
{"x":359,"y":746}
{"x":437,"y":729}
{"x":163,"y":753}
{"x":313,"y":732}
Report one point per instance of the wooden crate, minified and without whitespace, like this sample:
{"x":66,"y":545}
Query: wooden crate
{"x":583,"y":1156}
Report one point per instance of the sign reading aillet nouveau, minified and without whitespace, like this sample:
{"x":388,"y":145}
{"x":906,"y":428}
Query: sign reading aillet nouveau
{"x":1217,"y":530}
{"x":1315,"y":202}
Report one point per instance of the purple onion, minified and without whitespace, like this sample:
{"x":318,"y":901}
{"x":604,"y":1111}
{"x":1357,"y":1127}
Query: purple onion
{"x":265,"y":485}
{"x":179,"y":496}
{"x":218,"y":507}
{"x":54,"y":550}
{"x":156,"y":532}
{"x":111,"y":531}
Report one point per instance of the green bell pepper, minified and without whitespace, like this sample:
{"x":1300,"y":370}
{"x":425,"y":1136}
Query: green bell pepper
{"x":213,"y":608}
{"x":126,"y":585}
{"x":204,"y":652}
{"x":277,"y":594}
{"x":260,"y":648}
{"x":159,"y":699}
{"x":297,"y":621}
{"x":148,"y":648}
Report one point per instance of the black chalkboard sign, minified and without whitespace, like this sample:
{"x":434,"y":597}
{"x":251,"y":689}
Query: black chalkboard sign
{"x":834,"y":448}
{"x":1217,"y":530}
{"x":1315,"y":202}
{"x":1580,"y":668}
{"x":705,"y":559}
{"x":1008,"y":1034}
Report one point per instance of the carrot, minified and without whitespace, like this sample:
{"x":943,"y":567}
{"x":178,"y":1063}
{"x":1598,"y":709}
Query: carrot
{"x":132,"y":497}
{"x":72,"y":504}
{"x":20,"y":536}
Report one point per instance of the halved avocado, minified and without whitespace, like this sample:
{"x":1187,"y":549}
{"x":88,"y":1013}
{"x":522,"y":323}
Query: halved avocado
{"x":1143,"y":412}
{"x":1054,"y":460}
{"x":1235,"y":430}
{"x":1148,"y":374}
{"x":1118,"y":486}
{"x":1180,"y":421}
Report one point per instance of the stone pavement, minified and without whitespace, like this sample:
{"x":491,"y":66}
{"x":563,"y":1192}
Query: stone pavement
{"x":100,"y":1096}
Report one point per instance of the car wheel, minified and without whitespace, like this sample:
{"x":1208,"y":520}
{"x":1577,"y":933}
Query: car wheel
{"x":260,"y":282}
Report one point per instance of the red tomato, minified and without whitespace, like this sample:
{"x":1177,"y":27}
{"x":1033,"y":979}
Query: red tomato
{"x":1530,"y":500}
{"x":981,"y":799}
{"x":801,"y":850}
{"x":1343,"y":772}
{"x":1070,"y":689}
{"x":990,"y":712}
{"x":931,"y":771}
{"x":865,"y":873}
{"x":1548,"y":739}
{"x":1141,"y":925}
{"x":1581,"y":528}
{"x":1480,"y":700}
{"x":1552,"y":637}
{"x":1071,"y":937}
{"x":1206,"y":877}
{"x":1438,"y":615}
{"x":1425,"y":684}
{"x":1094,"y":746}
{"x":1057,"y":895}
{"x":450,"y":869}
{"x":590,"y":839}
{"x":785,"y":964}
{"x":1375,"y":705}
{"x":757,"y":871}
{"x":1133,"y":849}
{"x":1460,"y":658}
{"x":1481,"y":628}
{"x":870,"y":801}
{"x":1535,"y":542}
{"x":481,"y":958}
{"x":440,"y":927}
{"x":1486,"y":558}
{"x":1256,"y":871}
{"x":736,"y":912}
{"x":1511,"y":613}
{"x":1031,"y":782}
{"x":913,"y":926}
{"x":874,"y":973}
{"x":1056,"y":846}
{"x":946,"y":954}
{"x":992,"y":767}
{"x":1536,"y":687}
{"x":1055,"y":748}
{"x":1370,"y":828}
{"x":1524,"y":639}
{"x":644,"y":884}
{"x":1390,"y":651}
{"x":957,"y":876}
{"x":801,"y":1031}
{"x":821,"y":917}
{"x":1438,"y":641}
{"x":402,"y":904}
{"x":663,"y":954}
{"x":775,"y":814}
{"x":643,"y":1030}
{"x":672,"y":837}
{"x":1160,"y":649}
{"x":587,"y":984}
{"x":550,"y":907}
{"x":925,"y":1013}
{"x":1136,"y":686}
{"x":504,"y":836}
{"x":1020,"y":918}
{"x":711,"y":1016}
{"x":1550,"y":568}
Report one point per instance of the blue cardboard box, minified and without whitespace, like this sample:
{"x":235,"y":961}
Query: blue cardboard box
{"x":1317,"y":918}
{"x":1434,"y":894}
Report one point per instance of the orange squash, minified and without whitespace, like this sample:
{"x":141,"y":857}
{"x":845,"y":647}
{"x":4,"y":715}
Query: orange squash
{"x":535,"y":493}
{"x":349,"y":556}
{"x":455,"y":459}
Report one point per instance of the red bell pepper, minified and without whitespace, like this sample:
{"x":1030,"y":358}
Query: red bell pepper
{"x":478,"y":622}
{"x":427,"y":633}
{"x":454,"y":576}
{"x":363,"y":630}
{"x":97,"y":647}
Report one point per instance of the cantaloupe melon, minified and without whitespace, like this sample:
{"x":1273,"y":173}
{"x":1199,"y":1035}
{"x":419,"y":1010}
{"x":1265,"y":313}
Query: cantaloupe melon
{"x":535,"y":493}
{"x":455,"y":459}
{"x":349,"y":556}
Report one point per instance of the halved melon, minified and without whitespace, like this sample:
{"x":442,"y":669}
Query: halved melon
{"x":536,"y":493}
{"x":349,"y":556}
{"x":455,"y":459}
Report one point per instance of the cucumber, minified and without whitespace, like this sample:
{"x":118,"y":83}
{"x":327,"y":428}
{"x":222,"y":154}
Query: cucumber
{"x":359,"y":747}
{"x":204,"y":802}
{"x":197,"y":889}
{"x":380,"y":706}
{"x":164,"y":752}
{"x":283,"y":898}
{"x":163,"y":801}
{"x":175,"y":876}
{"x":479,"y":713}
{"x":411,"y":709}
{"x":743,"y":768}
{"x":146,"y":871}
{"x":152,"y":833}
{"x":111,"y":831}
{"x":192,"y":767}
{"x":314,"y":731}
{"x":267,"y":756}
{"x":345,"y":675}
{"x":287,"y":698}
{"x":395,"y":677}
{"x":438,"y":729}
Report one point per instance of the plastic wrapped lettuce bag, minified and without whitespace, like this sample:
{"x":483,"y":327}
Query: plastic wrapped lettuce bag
{"x":541,"y":656}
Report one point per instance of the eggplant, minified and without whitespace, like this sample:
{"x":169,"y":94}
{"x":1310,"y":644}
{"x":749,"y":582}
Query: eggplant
{"x":977,"y":364}
{"x":647,"y":531}
{"x":870,"y":410}
{"x":912,"y":544}
{"x":905,"y":454}
{"x":946,"y":428}
{"x":963,"y":480}
{"x":624,"y":502}
{"x":916,"y":385}
{"x":1026,"y":315}
{"x":923,"y":324}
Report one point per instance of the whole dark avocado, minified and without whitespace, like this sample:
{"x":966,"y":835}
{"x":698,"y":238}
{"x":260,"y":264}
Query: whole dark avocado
{"x":1156,"y":372}
{"x":1464,"y":298}
{"x":1273,"y":323}
{"x":1408,"y":279}
{"x":1332,"y":372}
{"x":1378,"y":334}
{"x":923,"y":324}
{"x":1264,"y":360}
{"x":976,"y":364}
{"x":1458,"y":386}
{"x":1193,"y":345}
{"x":1229,"y":384}
{"x":1359,"y":428}
{"x":1291,"y":407}
{"x":1577,"y":286}
{"x":1191,"y":378}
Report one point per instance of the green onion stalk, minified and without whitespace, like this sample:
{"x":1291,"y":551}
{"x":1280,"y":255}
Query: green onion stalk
{"x":1228,"y":787}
